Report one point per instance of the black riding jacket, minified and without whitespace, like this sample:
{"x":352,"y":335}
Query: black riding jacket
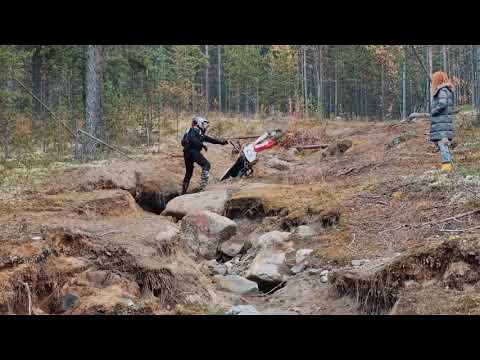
{"x":194,"y":138}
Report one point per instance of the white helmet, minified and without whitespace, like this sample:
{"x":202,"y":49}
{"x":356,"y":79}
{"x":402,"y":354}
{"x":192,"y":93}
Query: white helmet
{"x":201,"y":122}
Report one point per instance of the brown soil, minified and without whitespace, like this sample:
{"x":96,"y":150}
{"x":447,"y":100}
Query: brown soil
{"x":372,"y":200}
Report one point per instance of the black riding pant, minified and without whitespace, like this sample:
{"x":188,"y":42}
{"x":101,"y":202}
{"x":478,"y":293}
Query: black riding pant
{"x":191,"y":157}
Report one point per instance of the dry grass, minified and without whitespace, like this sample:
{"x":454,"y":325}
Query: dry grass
{"x":283,"y":200}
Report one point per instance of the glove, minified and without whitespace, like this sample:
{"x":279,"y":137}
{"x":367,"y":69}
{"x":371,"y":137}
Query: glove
{"x":205,"y":147}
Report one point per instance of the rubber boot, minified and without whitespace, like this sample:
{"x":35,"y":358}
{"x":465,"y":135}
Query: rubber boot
{"x":203,"y":180}
{"x":185,"y":187}
{"x":447,"y":167}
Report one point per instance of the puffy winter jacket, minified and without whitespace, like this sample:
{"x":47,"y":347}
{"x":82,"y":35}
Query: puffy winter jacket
{"x":442,"y":114}
{"x":194,"y":138}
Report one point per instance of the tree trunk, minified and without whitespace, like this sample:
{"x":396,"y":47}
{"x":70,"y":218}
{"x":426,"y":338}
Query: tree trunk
{"x":336,"y":88}
{"x":219,"y":66}
{"x":305,"y":93}
{"x":430,"y":71}
{"x":207,"y":78}
{"x":245,"y":96}
{"x":473,"y":77}
{"x":93,"y":100}
{"x":319,"y":81}
{"x":382,"y":91}
{"x":238,"y":98}
{"x":477,"y":78}
{"x":444,"y":51}
{"x":257,"y":102}
{"x":36,"y":81}
{"x":404,"y":84}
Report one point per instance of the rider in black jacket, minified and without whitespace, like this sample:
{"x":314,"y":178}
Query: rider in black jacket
{"x":193,"y":143}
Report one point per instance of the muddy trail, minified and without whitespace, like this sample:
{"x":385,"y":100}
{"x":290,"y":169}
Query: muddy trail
{"x":365,"y":225}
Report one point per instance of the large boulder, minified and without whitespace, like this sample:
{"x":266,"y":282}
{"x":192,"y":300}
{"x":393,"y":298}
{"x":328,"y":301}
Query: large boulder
{"x":236,"y":284}
{"x":213,"y":201}
{"x":268,"y":269}
{"x":204,"y":231}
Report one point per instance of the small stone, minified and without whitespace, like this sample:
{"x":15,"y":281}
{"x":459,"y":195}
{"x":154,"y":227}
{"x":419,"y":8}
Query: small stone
{"x":219,"y":270}
{"x":304,"y":231}
{"x":324,"y":278}
{"x":69,"y":301}
{"x":242,"y":310}
{"x":324,"y":273}
{"x":297,"y":269}
{"x":313,"y":271}
{"x":231,"y":248}
{"x":357,"y":263}
{"x":278,"y":312}
{"x":130,"y":303}
{"x":269,"y":239}
{"x":278,"y":164}
{"x":37,"y":238}
{"x":215,"y":268}
{"x":229,"y":268}
{"x":302,"y":254}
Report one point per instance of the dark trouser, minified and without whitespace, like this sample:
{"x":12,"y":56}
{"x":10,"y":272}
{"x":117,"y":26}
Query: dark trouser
{"x":191,"y":157}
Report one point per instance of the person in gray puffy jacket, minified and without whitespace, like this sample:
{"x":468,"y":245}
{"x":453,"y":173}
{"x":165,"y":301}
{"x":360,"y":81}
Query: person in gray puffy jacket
{"x":441,"y":129}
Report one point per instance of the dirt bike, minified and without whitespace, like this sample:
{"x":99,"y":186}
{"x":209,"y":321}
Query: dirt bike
{"x":243,"y":166}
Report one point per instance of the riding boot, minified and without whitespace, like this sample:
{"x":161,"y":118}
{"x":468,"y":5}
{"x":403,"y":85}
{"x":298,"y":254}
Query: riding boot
{"x":185,"y":187}
{"x":204,"y":180}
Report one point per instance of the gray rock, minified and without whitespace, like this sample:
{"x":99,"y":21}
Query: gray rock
{"x":268,"y":266}
{"x":269,"y":239}
{"x":304,"y":231}
{"x":314,"y":271}
{"x":302,"y":254}
{"x":236,"y":284}
{"x":204,"y":231}
{"x":69,"y":301}
{"x":231,"y":248}
{"x":324,"y":278}
{"x":297,"y":269}
{"x":231,"y":270}
{"x":324,"y":272}
{"x":357,"y":263}
{"x":242,"y":310}
{"x":213,"y":201}
{"x":215,"y":268}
